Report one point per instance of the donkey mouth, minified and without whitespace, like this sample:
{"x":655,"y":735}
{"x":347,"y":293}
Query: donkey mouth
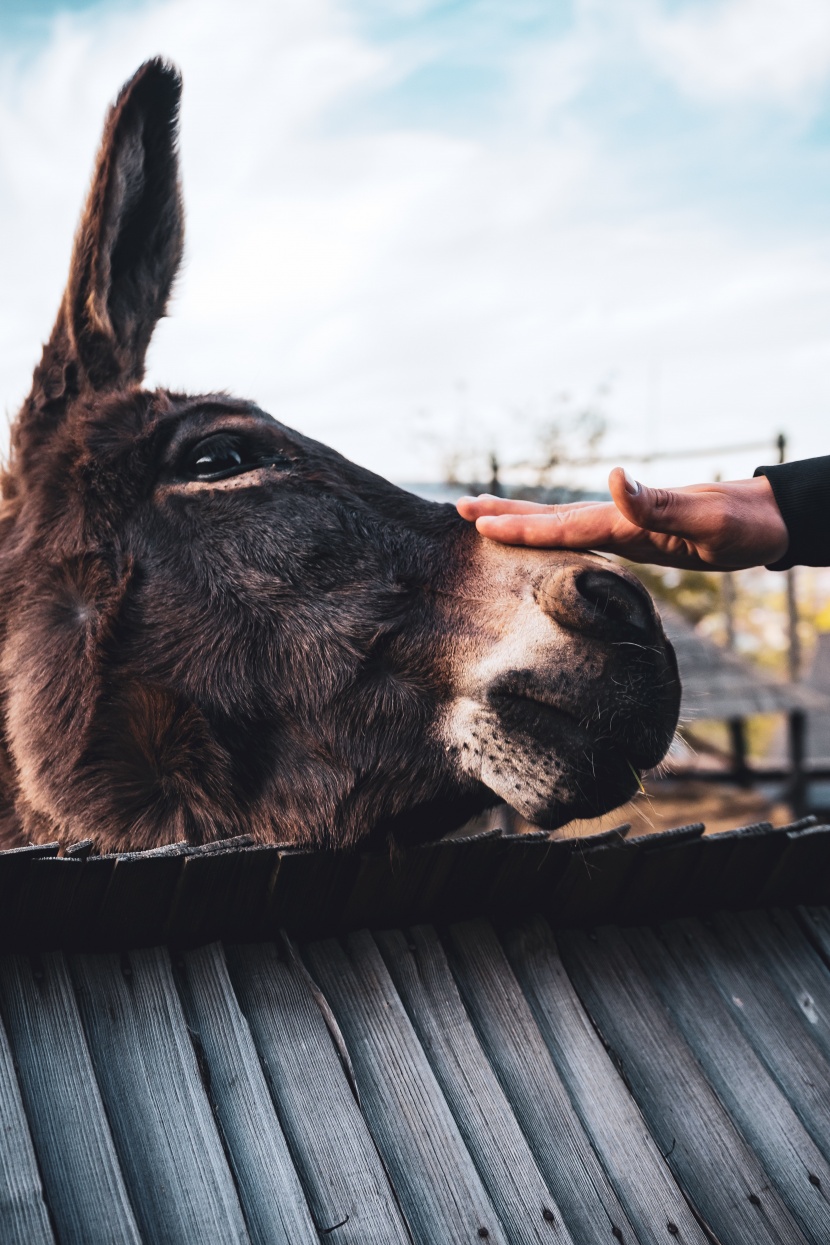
{"x":529,"y":712}
{"x":519,"y":712}
{"x":525,"y":706}
{"x":594,"y":764}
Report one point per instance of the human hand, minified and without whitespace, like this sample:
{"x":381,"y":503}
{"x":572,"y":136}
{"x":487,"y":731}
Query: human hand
{"x":704,"y":527}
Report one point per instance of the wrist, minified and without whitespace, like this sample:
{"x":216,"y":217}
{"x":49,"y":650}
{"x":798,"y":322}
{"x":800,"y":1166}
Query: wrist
{"x":772,"y":533}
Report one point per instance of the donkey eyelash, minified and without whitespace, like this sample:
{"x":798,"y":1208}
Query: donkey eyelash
{"x":225,"y":454}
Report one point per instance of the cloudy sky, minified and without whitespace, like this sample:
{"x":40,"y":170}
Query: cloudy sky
{"x":419,"y":227}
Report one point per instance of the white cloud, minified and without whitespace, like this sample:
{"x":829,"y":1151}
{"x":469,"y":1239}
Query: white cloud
{"x":349,"y":275}
{"x":744,"y":49}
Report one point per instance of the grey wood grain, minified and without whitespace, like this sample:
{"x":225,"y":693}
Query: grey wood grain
{"x":269,"y":1187}
{"x":80,"y":1169}
{"x":517,"y":1051}
{"x":435,"y":1178}
{"x":717,"y":1170}
{"x":24,"y":1219}
{"x":796,"y":967}
{"x":171,"y":1155}
{"x":816,"y":921}
{"x":629,"y":1154}
{"x":345,"y":1181}
{"x":677,"y":969}
{"x":762,"y":1013}
{"x":418,"y":966}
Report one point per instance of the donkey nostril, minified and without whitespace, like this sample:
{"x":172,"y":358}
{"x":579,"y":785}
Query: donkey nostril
{"x":615,"y":600}
{"x":598,"y":604}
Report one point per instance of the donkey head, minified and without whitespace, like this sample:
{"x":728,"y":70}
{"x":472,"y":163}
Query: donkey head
{"x":212,"y":625}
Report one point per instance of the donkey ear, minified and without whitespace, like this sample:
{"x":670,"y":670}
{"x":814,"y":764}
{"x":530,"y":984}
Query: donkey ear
{"x":128,"y":246}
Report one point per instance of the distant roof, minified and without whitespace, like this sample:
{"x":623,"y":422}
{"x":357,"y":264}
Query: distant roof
{"x":720,"y":684}
{"x":422,"y":1084}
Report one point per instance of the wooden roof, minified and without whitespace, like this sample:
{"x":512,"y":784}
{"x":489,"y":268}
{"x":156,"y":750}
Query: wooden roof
{"x":721,"y":685}
{"x":445,"y":1048}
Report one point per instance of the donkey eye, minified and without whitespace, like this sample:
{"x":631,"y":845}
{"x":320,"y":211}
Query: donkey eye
{"x":223,"y":455}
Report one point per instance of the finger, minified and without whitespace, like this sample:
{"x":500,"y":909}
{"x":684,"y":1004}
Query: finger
{"x":576,"y":527}
{"x":486,"y":503}
{"x":695,"y":514}
{"x":473,"y":507}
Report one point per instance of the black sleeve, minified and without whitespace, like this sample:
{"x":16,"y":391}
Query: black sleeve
{"x":802,"y":491}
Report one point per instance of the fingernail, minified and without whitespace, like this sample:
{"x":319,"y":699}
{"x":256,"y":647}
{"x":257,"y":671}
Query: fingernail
{"x":631,"y":485}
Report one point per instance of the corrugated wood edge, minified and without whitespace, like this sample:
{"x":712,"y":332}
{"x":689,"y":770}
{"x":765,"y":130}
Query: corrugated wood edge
{"x":238,"y":890}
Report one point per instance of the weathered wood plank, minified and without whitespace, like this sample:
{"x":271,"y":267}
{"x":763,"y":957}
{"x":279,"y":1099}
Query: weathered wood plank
{"x":472,"y":887}
{"x":676,"y":968}
{"x":81,"y":1173}
{"x":716,"y":1169}
{"x":520,"y":1058}
{"x":745,"y":872}
{"x":81,"y":928}
{"x":269,"y":1187}
{"x":14,"y":872}
{"x":629,"y":1154}
{"x":36,"y":915}
{"x":435,"y":1178}
{"x":592,"y":882}
{"x":764,"y":1016}
{"x":24,"y":1219}
{"x":816,"y":921}
{"x":515,"y":872}
{"x":221,"y":893}
{"x":136,"y":905}
{"x":796,"y":967}
{"x":167,"y":1140}
{"x":803,"y":872}
{"x":703,"y":889}
{"x":661,"y":875}
{"x":418,"y":966}
{"x":345,"y":1181}
{"x":308,"y":890}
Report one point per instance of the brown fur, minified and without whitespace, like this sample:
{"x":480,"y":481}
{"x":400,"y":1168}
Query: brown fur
{"x":270,"y":648}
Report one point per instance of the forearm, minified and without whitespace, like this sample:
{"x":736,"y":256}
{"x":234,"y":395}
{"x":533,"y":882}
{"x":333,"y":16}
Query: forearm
{"x":802,"y":492}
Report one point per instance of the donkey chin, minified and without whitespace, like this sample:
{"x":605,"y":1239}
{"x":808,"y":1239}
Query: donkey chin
{"x":567,"y":688}
{"x":211,"y":625}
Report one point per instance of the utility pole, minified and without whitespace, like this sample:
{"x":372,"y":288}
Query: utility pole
{"x":794,"y":654}
{"x":727,"y":589}
{"x":797,"y":718}
{"x":739,"y":745}
{"x":494,"y":487}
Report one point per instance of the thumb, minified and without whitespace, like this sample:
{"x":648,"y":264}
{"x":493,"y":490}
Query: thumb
{"x":676,"y":512}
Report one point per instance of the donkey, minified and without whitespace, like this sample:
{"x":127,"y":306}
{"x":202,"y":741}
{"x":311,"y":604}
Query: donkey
{"x":212,"y":625}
